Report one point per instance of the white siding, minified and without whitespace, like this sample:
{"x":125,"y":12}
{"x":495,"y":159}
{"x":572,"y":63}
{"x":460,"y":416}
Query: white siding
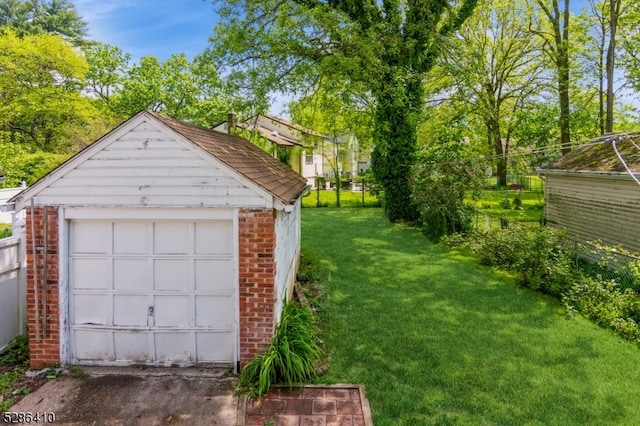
{"x":148,"y":167}
{"x":595,"y":209}
{"x":13,"y":298}
{"x":287,"y":254}
{"x":310,"y":171}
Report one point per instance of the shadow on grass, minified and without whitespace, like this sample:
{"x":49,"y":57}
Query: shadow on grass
{"x":438,"y":338}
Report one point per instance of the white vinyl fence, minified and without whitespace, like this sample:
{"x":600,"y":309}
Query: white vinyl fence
{"x":13,"y":287}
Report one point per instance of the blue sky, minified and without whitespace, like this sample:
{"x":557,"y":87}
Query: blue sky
{"x":150,"y":27}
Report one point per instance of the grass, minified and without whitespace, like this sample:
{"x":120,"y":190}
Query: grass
{"x":14,"y":361}
{"x":5,"y":230}
{"x":491,"y":207}
{"x":327,"y":198}
{"x":439,"y":339}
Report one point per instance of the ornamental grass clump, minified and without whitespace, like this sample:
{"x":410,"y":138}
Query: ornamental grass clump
{"x":290,"y":358}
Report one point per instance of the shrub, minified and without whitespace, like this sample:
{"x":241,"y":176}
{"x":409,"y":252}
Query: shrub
{"x":536,"y":254}
{"x":603,"y":302}
{"x":290,"y":358}
{"x":441,"y":179}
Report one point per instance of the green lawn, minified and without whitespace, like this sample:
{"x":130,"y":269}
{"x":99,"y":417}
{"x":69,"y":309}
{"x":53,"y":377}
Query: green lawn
{"x":439,"y":339}
{"x":490,"y":207}
{"x":327,"y":198}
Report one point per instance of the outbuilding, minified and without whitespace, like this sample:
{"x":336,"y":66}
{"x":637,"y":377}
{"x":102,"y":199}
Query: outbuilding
{"x":593,"y":192}
{"x":161,"y":243}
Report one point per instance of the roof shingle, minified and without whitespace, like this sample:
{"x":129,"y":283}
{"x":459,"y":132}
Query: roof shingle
{"x":244,"y":157}
{"x":598,"y":155}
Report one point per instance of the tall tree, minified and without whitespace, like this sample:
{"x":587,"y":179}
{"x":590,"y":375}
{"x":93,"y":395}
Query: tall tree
{"x":495,"y":67}
{"x":108,"y":66}
{"x":43,"y":16}
{"x":389,"y":45}
{"x":556,"y":47}
{"x":614,"y":14}
{"x":40,"y":90}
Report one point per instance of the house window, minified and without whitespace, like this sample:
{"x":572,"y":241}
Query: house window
{"x":308,"y":158}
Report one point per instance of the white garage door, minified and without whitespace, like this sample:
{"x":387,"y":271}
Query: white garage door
{"x":151,"y":292}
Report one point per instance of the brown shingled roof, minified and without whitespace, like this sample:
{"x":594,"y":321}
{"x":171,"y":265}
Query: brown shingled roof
{"x":598,"y":156}
{"x":244,"y":157}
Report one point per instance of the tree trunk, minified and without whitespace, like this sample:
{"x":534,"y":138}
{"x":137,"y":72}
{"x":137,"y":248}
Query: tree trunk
{"x":611,"y":51}
{"x":398,"y":104}
{"x":563,"y":83}
{"x":500,"y":150}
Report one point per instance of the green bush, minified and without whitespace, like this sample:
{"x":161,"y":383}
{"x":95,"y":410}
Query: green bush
{"x":16,"y":352}
{"x":440,"y":180}
{"x":536,"y":254}
{"x":606,"y":304}
{"x":291,"y":357}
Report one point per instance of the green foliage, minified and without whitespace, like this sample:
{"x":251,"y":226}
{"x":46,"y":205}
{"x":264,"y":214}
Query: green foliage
{"x":385,"y":49}
{"x":442,"y":178}
{"x":536,"y":254}
{"x":19,"y":165}
{"x":291,"y":357}
{"x":42,"y":106}
{"x":13,"y":363}
{"x":605,"y":303}
{"x":16,"y":352}
{"x":43,"y":16}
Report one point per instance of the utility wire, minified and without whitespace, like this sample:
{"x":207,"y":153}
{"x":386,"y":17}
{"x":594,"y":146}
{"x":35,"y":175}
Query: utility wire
{"x":614,"y":142}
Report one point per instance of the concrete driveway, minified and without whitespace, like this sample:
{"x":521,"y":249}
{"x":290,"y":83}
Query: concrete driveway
{"x":138,"y":396}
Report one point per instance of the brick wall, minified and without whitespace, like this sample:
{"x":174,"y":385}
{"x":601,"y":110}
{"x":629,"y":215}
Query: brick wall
{"x":43,"y":325}
{"x":257,"y":242}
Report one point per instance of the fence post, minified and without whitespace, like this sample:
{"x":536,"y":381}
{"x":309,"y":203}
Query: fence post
{"x":20,"y":232}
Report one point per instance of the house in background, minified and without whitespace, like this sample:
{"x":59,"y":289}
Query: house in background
{"x":593,"y":192}
{"x":311,"y":154}
{"x":162,"y":243}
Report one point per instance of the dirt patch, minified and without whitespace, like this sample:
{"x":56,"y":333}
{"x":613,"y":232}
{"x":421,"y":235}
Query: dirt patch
{"x":138,"y":399}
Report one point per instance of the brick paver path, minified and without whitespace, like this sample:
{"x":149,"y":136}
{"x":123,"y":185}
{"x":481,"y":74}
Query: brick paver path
{"x":339,"y":405}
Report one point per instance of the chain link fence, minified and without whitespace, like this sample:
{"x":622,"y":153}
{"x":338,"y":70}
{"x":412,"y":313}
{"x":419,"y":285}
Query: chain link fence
{"x":608,"y":263}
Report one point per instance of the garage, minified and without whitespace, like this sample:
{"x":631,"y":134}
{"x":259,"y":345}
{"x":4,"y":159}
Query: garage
{"x":161,"y":244}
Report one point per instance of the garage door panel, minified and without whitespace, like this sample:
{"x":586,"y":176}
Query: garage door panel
{"x":214,"y":275}
{"x":130,"y":310}
{"x":91,"y":309}
{"x":174,"y":347}
{"x":173,"y":274}
{"x":172,"y":311}
{"x":132,"y":275}
{"x":212,"y":311}
{"x":152,"y":291}
{"x":214,"y":347}
{"x":91,"y":237}
{"x":131,"y":346}
{"x":213,"y":238}
{"x":172,"y":238}
{"x":93,"y":345}
{"x":132,"y":238}
{"x":91,"y":273}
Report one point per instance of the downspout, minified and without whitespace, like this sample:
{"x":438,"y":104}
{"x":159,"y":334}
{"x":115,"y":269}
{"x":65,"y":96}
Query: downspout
{"x":35,"y":273}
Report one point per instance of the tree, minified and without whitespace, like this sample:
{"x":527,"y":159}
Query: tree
{"x":494,"y":66}
{"x":108,"y":66}
{"x":614,"y":14}
{"x":388,"y":46}
{"x":41,"y":79}
{"x":43,"y":16}
{"x":338,"y":114}
{"x":556,"y":47}
{"x":446,"y":173}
